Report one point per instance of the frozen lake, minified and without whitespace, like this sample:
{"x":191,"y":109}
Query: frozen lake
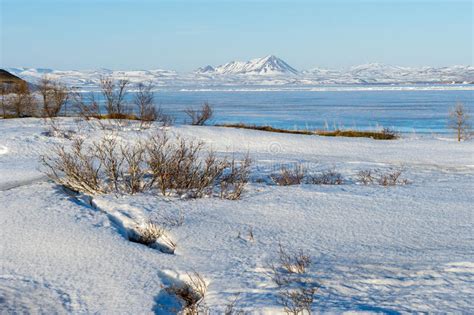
{"x":420,"y":111}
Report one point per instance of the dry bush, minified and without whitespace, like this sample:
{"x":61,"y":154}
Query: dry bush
{"x":296,"y":288}
{"x":107,"y":152}
{"x":22,"y":101}
{"x":179,"y":167}
{"x":366,"y":177}
{"x":145,"y":105}
{"x":114,"y":94}
{"x":99,"y":168}
{"x":76,"y":169}
{"x":146,"y":109}
{"x":233,"y":183}
{"x":297,"y":300}
{"x":293,"y":262}
{"x":201,"y":116}
{"x":387,"y":178}
{"x":191,"y":292}
{"x":167,"y":244}
{"x":459,"y":121}
{"x":134,"y":177}
{"x":147,"y":234}
{"x":289,"y":176}
{"x":164,"y":119}
{"x":54,"y":96}
{"x":4,"y":91}
{"x":392,"y":178}
{"x":88,"y":108}
{"x":329,"y":177}
{"x":184,"y":168}
{"x":231,"y":309}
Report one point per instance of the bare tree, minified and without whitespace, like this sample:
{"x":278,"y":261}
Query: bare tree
{"x":201,"y":116}
{"x":145,"y":105}
{"x":44,"y":89}
{"x":3,"y":95}
{"x":22,"y":100}
{"x":459,"y":121}
{"x":88,"y":108}
{"x":114,"y":94}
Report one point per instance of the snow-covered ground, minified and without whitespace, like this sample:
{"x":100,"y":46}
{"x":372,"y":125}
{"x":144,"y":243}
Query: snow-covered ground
{"x":395,"y":249}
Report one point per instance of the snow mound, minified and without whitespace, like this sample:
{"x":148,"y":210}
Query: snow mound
{"x":3,"y":150}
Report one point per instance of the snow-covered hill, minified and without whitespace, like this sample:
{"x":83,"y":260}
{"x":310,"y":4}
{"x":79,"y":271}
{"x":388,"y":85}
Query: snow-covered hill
{"x":267,"y":71}
{"x":269,"y":65}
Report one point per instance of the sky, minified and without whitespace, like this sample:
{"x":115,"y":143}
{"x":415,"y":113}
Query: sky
{"x":183,"y":35}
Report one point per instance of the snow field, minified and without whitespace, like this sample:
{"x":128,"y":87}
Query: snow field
{"x":373,"y":249}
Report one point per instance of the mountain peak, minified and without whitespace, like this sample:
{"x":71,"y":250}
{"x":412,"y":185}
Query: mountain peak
{"x":268,"y":65}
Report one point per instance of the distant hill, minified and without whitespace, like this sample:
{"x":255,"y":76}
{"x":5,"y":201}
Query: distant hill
{"x":7,"y":77}
{"x":269,"y":71}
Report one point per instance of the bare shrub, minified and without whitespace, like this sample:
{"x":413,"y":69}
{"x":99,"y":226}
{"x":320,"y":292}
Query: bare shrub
{"x":329,"y":177}
{"x":366,"y":177}
{"x":167,"y":244}
{"x":88,"y":108}
{"x":388,"y":134}
{"x":146,"y":234}
{"x":231,"y":309}
{"x":297,"y":300}
{"x":191,"y":292}
{"x":179,"y":168}
{"x":134,"y":177}
{"x":184,"y":168}
{"x":107,"y":152}
{"x":3,"y":93}
{"x":293,"y":262}
{"x":22,"y":101}
{"x":145,"y":105}
{"x":54,"y":96}
{"x":164,"y":119}
{"x":76,"y":169}
{"x":392,"y":178}
{"x":201,"y":116}
{"x":387,"y":178}
{"x":114,"y":94}
{"x":296,"y":288}
{"x":459,"y":120}
{"x":289,"y":176}
{"x":233,"y":183}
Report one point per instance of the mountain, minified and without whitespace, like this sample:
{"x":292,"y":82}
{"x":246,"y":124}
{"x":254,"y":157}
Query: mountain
{"x":269,"y":65}
{"x":206,"y":69}
{"x":8,"y":78}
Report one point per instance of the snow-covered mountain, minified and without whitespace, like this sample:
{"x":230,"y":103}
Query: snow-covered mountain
{"x":269,"y":65}
{"x":267,"y":71}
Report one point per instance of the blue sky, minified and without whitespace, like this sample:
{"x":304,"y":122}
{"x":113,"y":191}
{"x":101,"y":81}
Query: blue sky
{"x":183,"y":35}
